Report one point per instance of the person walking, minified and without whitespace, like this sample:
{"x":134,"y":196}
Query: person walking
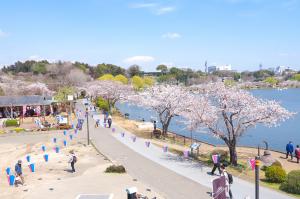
{"x":73,"y":160}
{"x":289,"y":150}
{"x":18,"y":170}
{"x":97,"y":123}
{"x":154,"y":125}
{"x":297,"y":153}
{"x":227,"y":180}
{"x":216,"y":161}
{"x":109,"y":121}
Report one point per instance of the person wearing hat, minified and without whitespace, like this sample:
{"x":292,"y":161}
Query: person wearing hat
{"x":18,"y":170}
{"x":73,"y":160}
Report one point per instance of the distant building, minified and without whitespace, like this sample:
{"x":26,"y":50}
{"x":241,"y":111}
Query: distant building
{"x":206,"y":68}
{"x":214,"y":68}
{"x":279,"y":70}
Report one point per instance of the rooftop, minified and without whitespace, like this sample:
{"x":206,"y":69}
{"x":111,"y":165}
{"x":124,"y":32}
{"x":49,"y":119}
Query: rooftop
{"x":25,"y":100}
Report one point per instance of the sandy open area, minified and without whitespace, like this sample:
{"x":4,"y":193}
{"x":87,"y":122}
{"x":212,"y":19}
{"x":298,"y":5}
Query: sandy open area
{"x":52,"y":179}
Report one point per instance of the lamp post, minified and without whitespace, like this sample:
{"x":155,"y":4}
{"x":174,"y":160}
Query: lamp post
{"x":87,"y":125}
{"x":257,"y":163}
{"x":44,"y":110}
{"x":267,"y":160}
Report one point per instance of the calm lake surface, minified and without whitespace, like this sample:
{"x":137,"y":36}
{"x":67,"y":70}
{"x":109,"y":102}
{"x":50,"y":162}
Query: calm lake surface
{"x":277,"y":137}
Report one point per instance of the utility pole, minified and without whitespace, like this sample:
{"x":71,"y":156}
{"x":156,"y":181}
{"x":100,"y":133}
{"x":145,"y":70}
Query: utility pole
{"x":87,"y":125}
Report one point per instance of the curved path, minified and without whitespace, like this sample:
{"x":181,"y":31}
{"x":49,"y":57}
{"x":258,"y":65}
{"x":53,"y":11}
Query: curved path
{"x":168,"y":173}
{"x":168,"y":183}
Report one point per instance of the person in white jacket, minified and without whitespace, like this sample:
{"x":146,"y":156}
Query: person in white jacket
{"x":224,"y":173}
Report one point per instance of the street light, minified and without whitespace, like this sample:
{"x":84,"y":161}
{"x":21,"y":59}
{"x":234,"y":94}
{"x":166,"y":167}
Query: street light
{"x":87,"y":125}
{"x":267,"y":160}
{"x":44,"y":110}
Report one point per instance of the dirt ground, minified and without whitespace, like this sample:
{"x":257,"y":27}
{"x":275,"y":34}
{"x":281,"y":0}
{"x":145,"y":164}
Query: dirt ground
{"x":53,"y":179}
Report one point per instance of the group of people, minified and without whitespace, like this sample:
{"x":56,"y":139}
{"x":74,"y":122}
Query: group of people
{"x":107,"y":119}
{"x":290,"y":151}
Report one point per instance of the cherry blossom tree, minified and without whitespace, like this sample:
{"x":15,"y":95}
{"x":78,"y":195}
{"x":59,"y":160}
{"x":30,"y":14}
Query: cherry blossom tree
{"x":112,"y":91}
{"x":37,"y":88}
{"x":167,"y":101}
{"x":228,"y":112}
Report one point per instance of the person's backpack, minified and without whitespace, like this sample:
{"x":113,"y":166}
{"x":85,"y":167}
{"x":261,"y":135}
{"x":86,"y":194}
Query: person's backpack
{"x":230,"y":178}
{"x":74,"y":159}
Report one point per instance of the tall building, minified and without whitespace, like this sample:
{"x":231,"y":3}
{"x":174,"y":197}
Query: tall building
{"x":260,"y":66}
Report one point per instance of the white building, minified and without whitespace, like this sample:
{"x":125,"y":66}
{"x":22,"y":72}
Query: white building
{"x":279,"y":70}
{"x":214,"y":68}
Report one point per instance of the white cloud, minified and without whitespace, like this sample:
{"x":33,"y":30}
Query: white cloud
{"x":283,"y":54}
{"x":164,"y":10}
{"x":139,"y":59}
{"x":168,"y":64}
{"x":3,"y":34}
{"x":40,"y":58}
{"x":155,"y":8}
{"x":171,"y":35}
{"x":143,"y":5}
{"x":35,"y":58}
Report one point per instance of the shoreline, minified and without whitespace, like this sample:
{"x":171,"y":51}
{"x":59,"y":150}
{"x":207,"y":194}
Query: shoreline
{"x":188,"y":139}
{"x":244,"y":152}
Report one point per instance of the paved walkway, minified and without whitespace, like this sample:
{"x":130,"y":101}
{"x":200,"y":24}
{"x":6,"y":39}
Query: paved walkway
{"x":167,"y":182}
{"x":165,"y":171}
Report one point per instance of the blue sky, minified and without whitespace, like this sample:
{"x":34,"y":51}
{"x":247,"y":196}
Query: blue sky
{"x":183,"y":33}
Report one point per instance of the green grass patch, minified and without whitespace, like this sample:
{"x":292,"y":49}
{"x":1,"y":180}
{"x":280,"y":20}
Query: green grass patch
{"x":276,"y":186}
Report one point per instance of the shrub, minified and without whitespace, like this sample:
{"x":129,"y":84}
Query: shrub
{"x":115,"y":169}
{"x":276,"y":163}
{"x":275,"y":174}
{"x":121,"y":78}
{"x":137,"y":82}
{"x":106,"y":77}
{"x":149,"y":81}
{"x":11,"y":122}
{"x":292,"y":182}
{"x":271,"y":80}
{"x":102,"y":104}
{"x":223,"y":154}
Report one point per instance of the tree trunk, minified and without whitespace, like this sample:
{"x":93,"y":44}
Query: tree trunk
{"x":165,"y":126}
{"x":109,"y":106}
{"x":233,"y":154}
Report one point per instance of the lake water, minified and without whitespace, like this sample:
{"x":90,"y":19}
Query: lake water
{"x":277,"y":137}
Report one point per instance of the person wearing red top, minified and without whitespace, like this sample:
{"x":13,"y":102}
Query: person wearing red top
{"x":297,"y":153}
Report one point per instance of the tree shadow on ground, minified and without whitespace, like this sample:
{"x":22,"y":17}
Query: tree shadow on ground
{"x":189,"y":162}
